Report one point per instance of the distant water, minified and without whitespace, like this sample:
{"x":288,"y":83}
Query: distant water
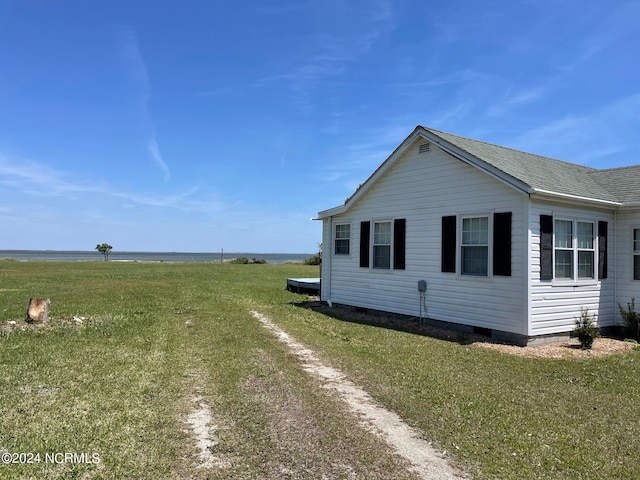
{"x":72,"y":255}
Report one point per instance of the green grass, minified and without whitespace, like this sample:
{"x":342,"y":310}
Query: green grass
{"x":156,"y":335}
{"x":502,"y":416}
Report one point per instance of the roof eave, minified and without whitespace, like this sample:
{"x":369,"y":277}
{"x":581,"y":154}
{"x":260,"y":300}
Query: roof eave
{"x":634,"y":204}
{"x":547,"y":194}
{"x":331,"y":212}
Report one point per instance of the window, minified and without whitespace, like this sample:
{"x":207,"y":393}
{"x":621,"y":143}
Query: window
{"x":574,"y":249}
{"x":636,"y":253}
{"x":388,"y":237}
{"x":586,"y":252}
{"x":382,"y":245}
{"x":568,"y":249}
{"x":475,"y":246}
{"x":342,"y":239}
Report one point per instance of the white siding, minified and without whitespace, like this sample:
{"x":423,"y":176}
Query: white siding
{"x":627,"y":287}
{"x":422,"y":188}
{"x":555,"y":305}
{"x":327,"y":254}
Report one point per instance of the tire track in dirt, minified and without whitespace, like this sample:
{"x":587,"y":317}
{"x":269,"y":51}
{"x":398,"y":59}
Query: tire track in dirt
{"x":405,"y":441}
{"x":203,"y":431}
{"x":200,"y":420}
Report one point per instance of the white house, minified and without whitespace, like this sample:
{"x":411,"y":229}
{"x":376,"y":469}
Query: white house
{"x":508,"y":243}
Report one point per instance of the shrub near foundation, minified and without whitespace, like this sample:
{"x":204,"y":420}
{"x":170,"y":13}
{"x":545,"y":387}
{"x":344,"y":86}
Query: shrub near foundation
{"x":587,"y":329}
{"x":631,"y":320}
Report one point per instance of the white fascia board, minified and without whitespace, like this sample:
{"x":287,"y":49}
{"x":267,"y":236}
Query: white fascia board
{"x":330,"y":212}
{"x":546,"y":194}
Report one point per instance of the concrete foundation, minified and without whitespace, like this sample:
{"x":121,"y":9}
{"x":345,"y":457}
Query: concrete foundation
{"x":497,"y":335}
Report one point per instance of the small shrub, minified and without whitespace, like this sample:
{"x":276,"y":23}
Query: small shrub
{"x":240,"y":261}
{"x":246,"y":261}
{"x":631,"y":319}
{"x":312,"y":260}
{"x":587,"y":329}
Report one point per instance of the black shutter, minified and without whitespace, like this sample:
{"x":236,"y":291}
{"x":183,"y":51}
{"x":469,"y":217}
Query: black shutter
{"x":399,"y":235}
{"x":502,"y":244}
{"x":365,"y":233}
{"x":603,"y":233}
{"x":448,"y":247}
{"x":546,"y":247}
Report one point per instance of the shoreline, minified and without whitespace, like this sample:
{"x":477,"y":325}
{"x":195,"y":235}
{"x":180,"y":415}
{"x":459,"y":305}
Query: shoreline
{"x":159,"y":257}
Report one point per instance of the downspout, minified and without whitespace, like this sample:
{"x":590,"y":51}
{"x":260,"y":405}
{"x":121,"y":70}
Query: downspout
{"x":528,"y":268}
{"x":615,"y":266}
{"x":325,"y":280}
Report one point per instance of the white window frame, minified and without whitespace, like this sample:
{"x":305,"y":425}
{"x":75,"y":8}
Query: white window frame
{"x":375,"y":244}
{"x":488,"y":245}
{"x":336,"y":238}
{"x":575,"y":248}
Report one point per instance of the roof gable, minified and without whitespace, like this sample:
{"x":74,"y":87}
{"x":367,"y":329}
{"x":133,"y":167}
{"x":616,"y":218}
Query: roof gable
{"x":526,"y":172}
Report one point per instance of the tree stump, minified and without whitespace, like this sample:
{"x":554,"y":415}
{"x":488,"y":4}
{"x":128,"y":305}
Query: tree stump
{"x":38,"y":310}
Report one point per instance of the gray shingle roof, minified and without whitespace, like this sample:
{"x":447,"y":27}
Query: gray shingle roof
{"x":623,"y":182}
{"x":551,"y":175}
{"x":534,"y":173}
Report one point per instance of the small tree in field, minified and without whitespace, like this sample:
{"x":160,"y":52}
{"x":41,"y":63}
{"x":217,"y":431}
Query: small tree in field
{"x":104,"y":249}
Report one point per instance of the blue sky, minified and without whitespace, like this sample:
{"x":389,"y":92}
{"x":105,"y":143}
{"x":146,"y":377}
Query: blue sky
{"x":200,"y":125}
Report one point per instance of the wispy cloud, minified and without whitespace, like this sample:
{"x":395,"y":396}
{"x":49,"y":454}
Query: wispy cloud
{"x":456,"y":77}
{"x":137,"y":69}
{"x":35,"y":179}
{"x":283,"y":159}
{"x":345,"y":37}
{"x":450,"y":22}
{"x":345,"y":33}
{"x":359,"y":160}
{"x":133,"y":60}
{"x":605,"y":137}
{"x":605,"y":30}
{"x":309,"y":72}
{"x":519,"y":97}
{"x":157,"y":156}
{"x":219,"y":92}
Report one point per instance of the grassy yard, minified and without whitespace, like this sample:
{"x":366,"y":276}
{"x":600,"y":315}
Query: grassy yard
{"x":157,"y":338}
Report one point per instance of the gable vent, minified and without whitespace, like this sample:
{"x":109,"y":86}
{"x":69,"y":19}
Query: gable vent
{"x":424,"y":148}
